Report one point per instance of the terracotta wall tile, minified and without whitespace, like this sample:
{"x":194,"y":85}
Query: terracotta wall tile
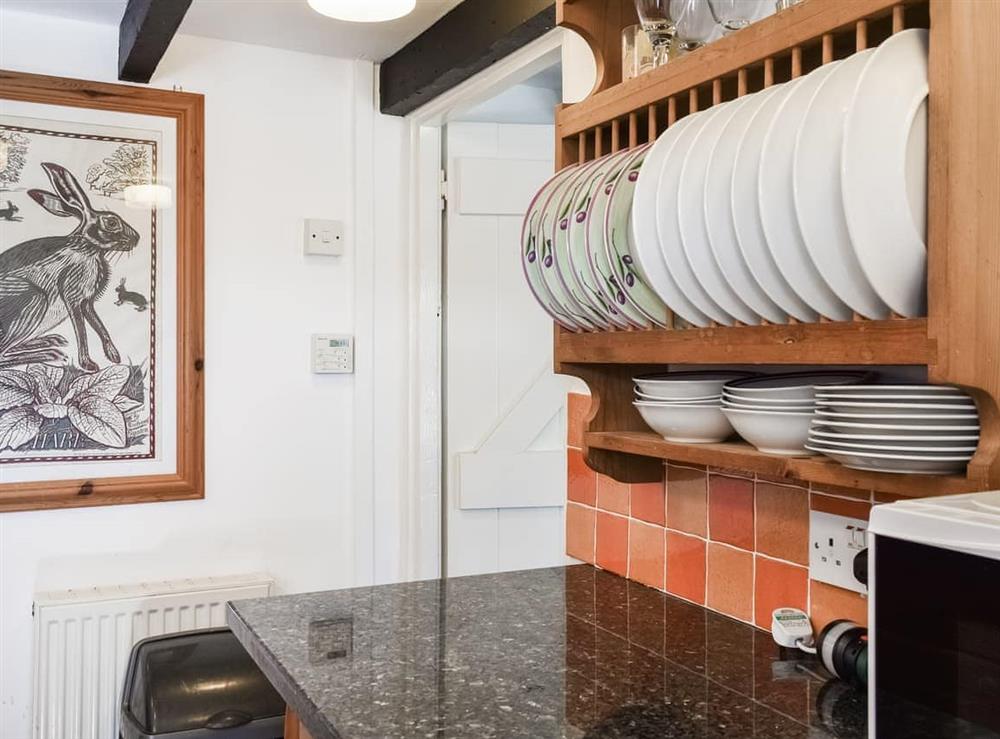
{"x":580,"y":524}
{"x":646,"y":554}
{"x":580,"y":479}
{"x":687,"y":500}
{"x":649,"y":503}
{"x":840,"y":507}
{"x":828,"y":603}
{"x":612,"y":543}
{"x":782,"y":522}
{"x":730,"y":510}
{"x":577,"y":408}
{"x":612,"y":495}
{"x":686,"y":566}
{"x":730,"y":581}
{"x":776,"y":585}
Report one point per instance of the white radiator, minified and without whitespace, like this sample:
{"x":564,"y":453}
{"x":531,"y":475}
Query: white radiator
{"x":83,"y":639}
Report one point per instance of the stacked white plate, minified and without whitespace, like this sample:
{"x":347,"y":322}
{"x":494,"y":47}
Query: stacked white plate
{"x":929,"y":429}
{"x":802,"y":200}
{"x":685,"y":407}
{"x":774,"y":412}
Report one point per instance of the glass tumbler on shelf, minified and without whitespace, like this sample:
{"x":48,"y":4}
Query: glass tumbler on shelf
{"x":734,"y":15}
{"x":637,"y":52}
{"x":780,"y":5}
{"x":655,"y":19}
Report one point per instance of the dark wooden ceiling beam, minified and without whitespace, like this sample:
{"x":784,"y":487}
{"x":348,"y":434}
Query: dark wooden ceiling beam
{"x":144,"y":34}
{"x":469,"y":38}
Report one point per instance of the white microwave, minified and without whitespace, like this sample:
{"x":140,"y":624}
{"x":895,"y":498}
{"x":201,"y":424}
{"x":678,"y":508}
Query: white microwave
{"x":934,"y":618}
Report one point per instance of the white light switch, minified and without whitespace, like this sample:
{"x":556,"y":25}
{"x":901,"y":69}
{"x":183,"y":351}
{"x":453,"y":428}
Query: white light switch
{"x":332,"y":354}
{"x":324,"y":238}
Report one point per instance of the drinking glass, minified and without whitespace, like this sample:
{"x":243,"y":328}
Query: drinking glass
{"x":733,"y":15}
{"x":637,"y":52}
{"x":656,"y":21}
{"x":780,"y":5}
{"x":693,"y":24}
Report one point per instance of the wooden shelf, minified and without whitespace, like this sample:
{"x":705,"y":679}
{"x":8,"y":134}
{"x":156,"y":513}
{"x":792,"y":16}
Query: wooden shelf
{"x":903,"y":341}
{"x":957,"y":343}
{"x":742,"y":456}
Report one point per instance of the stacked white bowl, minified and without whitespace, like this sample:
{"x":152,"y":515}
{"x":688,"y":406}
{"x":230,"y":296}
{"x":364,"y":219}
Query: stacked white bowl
{"x":774,"y":412}
{"x":928,"y":429}
{"x":685,"y":407}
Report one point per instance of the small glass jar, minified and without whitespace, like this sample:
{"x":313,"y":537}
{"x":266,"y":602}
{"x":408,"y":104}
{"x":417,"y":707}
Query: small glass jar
{"x":637,"y":52}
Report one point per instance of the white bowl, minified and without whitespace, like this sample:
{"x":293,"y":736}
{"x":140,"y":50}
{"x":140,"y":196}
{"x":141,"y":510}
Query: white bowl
{"x":773,"y":432}
{"x":692,"y":384}
{"x":660,"y":398}
{"x":803,"y":408}
{"x":767,"y":403}
{"x":792,"y":385}
{"x":686,"y":424}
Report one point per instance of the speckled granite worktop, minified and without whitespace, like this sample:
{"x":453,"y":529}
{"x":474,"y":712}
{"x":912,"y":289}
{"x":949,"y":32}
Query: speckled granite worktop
{"x":564,"y":652}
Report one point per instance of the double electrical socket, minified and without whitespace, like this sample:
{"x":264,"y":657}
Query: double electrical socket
{"x":834,"y":542}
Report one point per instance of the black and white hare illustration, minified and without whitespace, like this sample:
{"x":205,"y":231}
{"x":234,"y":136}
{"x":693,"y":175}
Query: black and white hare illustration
{"x":10,"y":212}
{"x":44,"y":281}
{"x":136,"y":299}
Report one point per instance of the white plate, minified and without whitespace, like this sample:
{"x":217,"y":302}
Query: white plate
{"x":649,"y":258}
{"x":597,"y":255}
{"x":718,"y":212}
{"x":668,"y":227}
{"x":876,"y":389}
{"x":751,"y":124}
{"x":898,"y":463}
{"x":901,"y":428}
{"x":935,"y":399}
{"x":816,"y":177}
{"x":875,"y":409}
{"x":944,"y":438}
{"x":689,"y":384}
{"x":790,"y":385}
{"x":776,"y":198}
{"x":930,"y":418}
{"x":765,"y":401}
{"x":909,"y":447}
{"x":575,"y":218}
{"x":691,"y":216}
{"x":532,"y":253}
{"x":884,"y":171}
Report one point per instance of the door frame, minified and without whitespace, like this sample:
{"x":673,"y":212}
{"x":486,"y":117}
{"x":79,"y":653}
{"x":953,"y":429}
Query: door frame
{"x":425,"y":525}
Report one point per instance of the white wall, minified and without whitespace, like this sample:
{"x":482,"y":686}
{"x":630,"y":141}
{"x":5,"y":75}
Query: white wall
{"x":292,"y":485}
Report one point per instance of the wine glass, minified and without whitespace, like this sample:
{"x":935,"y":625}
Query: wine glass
{"x":693,"y":24}
{"x":733,"y":15}
{"x":656,"y":21}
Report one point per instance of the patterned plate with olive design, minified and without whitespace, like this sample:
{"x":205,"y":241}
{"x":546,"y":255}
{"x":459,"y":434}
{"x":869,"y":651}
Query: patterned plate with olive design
{"x":580,"y":261}
{"x":620,"y":249}
{"x":611,"y":286}
{"x":548,"y":222}
{"x":534,"y":252}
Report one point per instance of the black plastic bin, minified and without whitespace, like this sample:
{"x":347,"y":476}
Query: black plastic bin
{"x":198,"y":685}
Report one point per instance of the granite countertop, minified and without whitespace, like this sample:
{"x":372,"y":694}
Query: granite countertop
{"x":564,"y":652}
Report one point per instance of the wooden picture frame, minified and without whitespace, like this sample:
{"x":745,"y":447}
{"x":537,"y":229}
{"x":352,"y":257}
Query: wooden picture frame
{"x":187,"y":482}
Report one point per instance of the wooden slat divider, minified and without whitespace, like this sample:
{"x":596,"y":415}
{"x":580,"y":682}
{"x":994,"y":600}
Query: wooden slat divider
{"x":633,"y":130}
{"x":671,"y":110}
{"x":693,"y":100}
{"x":598,"y":142}
{"x":768,"y":72}
{"x":716,"y":91}
{"x":615,"y":135}
{"x":827,"y":48}
{"x":898,"y":18}
{"x":861,"y":35}
{"x":651,"y":123}
{"x":741,"y":83}
{"x":796,"y":62}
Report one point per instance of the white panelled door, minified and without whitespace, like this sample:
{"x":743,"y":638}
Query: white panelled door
{"x":505,"y":420}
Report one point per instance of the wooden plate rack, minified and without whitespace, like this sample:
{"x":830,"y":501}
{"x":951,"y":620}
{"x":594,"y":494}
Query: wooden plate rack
{"x":958,"y":342}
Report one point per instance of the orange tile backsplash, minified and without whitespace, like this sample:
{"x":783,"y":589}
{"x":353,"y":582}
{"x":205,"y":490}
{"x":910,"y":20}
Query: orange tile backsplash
{"x":729,"y":540}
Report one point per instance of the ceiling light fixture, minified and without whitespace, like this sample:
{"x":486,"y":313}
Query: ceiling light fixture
{"x":363,"y":11}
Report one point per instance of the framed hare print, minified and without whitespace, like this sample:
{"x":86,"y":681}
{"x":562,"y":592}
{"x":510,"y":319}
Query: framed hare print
{"x":101,"y":231}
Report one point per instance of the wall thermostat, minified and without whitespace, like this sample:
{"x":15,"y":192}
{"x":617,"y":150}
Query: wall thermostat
{"x":332,"y":354}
